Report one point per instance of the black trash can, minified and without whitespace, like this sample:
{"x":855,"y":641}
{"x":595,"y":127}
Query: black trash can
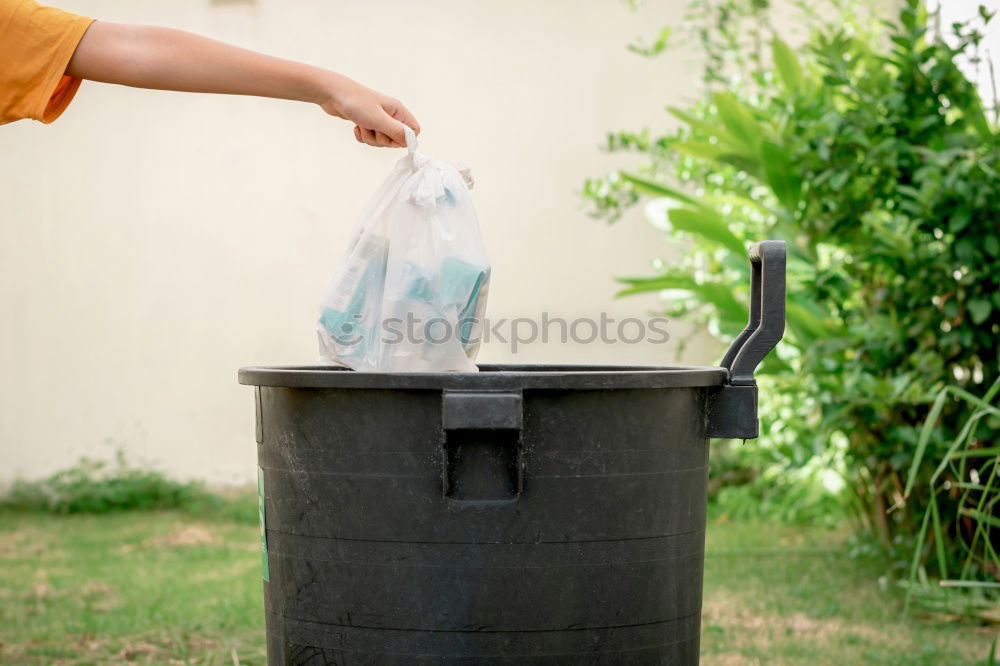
{"x":519,"y":515}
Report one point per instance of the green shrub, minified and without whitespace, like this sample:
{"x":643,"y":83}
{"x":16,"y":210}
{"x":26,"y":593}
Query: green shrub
{"x":805,"y":495}
{"x":95,"y":486}
{"x":871,"y":154}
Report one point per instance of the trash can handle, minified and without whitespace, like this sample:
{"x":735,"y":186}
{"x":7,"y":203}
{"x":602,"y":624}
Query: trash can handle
{"x":766,"y":324}
{"x":482,"y":410}
{"x":732,"y":408}
{"x":482,"y":462}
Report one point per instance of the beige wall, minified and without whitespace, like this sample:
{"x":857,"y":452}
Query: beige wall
{"x":154,"y":242}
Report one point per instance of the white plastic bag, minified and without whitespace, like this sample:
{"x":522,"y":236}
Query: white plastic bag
{"x":410,"y":293}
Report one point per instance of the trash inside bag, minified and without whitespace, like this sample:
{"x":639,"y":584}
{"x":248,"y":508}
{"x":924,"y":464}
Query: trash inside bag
{"x":410,"y":293}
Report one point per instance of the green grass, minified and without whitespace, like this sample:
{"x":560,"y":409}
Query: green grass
{"x":146,"y":587}
{"x":795,"y":595}
{"x":166,"y":587}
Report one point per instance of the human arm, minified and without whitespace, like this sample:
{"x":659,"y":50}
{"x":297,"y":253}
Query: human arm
{"x":166,"y":59}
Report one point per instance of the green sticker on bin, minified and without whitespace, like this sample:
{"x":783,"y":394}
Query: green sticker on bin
{"x":263,"y":530}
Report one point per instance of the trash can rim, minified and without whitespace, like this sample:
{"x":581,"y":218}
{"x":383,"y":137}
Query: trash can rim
{"x":490,"y":377}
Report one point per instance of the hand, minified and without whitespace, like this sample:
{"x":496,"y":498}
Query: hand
{"x":378,"y":119}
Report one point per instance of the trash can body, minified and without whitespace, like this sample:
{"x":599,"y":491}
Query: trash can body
{"x":517,"y":515}
{"x":520,"y":515}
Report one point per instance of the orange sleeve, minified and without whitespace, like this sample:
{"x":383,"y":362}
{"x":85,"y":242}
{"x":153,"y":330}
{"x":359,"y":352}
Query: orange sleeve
{"x":36,"y":44}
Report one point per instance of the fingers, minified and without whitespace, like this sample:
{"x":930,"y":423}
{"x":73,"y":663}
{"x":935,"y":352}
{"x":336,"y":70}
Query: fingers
{"x":385,"y":131}
{"x":383,"y":125}
{"x":396,"y":110}
{"x":375,"y":138}
{"x":392,"y":143}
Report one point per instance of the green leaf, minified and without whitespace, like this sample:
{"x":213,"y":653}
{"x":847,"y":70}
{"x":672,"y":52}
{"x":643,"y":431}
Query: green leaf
{"x":653,"y":188}
{"x":939,"y":540}
{"x":721,"y":296}
{"x":738,"y":119}
{"x":707,"y":224}
{"x":737,"y":201}
{"x":932,"y":418}
{"x":750,"y":165}
{"x":713,"y":293}
{"x":806,"y":325}
{"x":838,"y":180}
{"x":654,"y":49}
{"x":984,"y":402}
{"x":781,"y":175}
{"x":787,"y":65}
{"x":922,"y":441}
{"x":992,"y":246}
{"x":644,"y":285}
{"x":915,"y":560}
{"x":977,"y":116}
{"x":721,"y":133}
{"x":959,"y":220}
{"x":745,"y":161}
{"x":986,"y":518}
{"x":980,"y":309}
{"x":713,"y":152}
{"x":700,"y":149}
{"x":987,"y":452}
{"x":973,"y":110}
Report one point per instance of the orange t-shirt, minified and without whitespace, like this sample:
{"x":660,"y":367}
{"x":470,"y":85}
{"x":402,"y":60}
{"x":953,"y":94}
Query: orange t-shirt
{"x":36,"y":44}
